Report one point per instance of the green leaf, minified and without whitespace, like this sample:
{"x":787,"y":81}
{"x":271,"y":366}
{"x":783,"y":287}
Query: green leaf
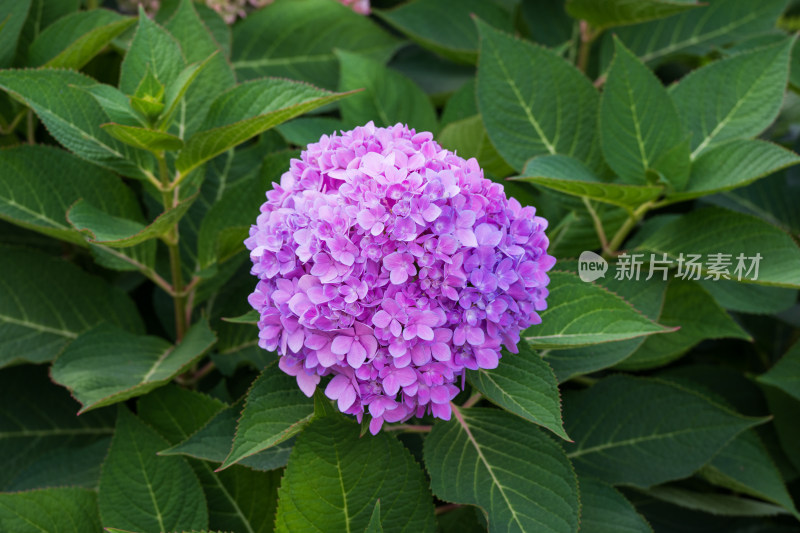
{"x":150,"y":88}
{"x":783,"y":409}
{"x":153,"y":49}
{"x":644,"y":431}
{"x":250,"y":317}
{"x":40,"y":183}
{"x":238,"y":499}
{"x":37,"y":322}
{"x":73,"y":117}
{"x":468,"y":138}
{"x":461,"y":104}
{"x":695,"y":315}
{"x":733,"y":164}
{"x":38,"y":428}
{"x":580,"y":314}
{"x":116,"y":232}
{"x":749,"y":298}
{"x":529,"y":112}
{"x":227,"y":223}
{"x":144,"y":138}
{"x":457,"y":40}
{"x":748,"y":96}
{"x":42,"y":14}
{"x":247,"y":110}
{"x":518,"y":475}
{"x":61,"y":510}
{"x":283,"y":40}
{"x":570,"y":176}
{"x":217,"y":27}
{"x":388,"y":96}
{"x":106,"y":365}
{"x":745,"y":466}
{"x":221,"y":174}
{"x":602,"y":14}
{"x":115,"y":104}
{"x":212,"y":442}
{"x":275,"y":410}
{"x":698,"y":31}
{"x":174,"y":94}
{"x":547,"y":22}
{"x":306,"y":130}
{"x":74,"y":40}
{"x":214,"y":75}
{"x":374,"y":525}
{"x":148,"y":100}
{"x":646,"y":296}
{"x":726,"y":232}
{"x":785,"y":374}
{"x":140,"y":491}
{"x":525,"y":385}
{"x":335,"y":477}
{"x":64,"y":466}
{"x":175,"y":412}
{"x":772,"y":199}
{"x":12,"y":16}
{"x":640,"y":132}
{"x":712,"y":503}
{"x":605,"y":510}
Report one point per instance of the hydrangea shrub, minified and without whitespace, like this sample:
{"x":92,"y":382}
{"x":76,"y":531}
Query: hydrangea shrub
{"x":400,"y":265}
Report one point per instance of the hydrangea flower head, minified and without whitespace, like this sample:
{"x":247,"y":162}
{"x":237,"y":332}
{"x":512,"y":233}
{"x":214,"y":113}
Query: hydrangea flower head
{"x":393,"y":265}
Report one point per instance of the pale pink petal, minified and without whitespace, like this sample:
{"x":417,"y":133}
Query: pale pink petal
{"x":341,"y":344}
{"x":347,"y":398}
{"x":307,"y":383}
{"x":336,"y":386}
{"x":357,"y":355}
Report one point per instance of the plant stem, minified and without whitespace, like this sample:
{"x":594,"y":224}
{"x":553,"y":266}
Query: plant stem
{"x":446,"y":508}
{"x":148,"y":272}
{"x":172,"y":239}
{"x":31,"y":128}
{"x":584,"y":380}
{"x":621,"y":234}
{"x":14,"y":123}
{"x":574,"y":41}
{"x":585,"y":47}
{"x":192,"y":377}
{"x":600,"y":81}
{"x":598,"y":224}
{"x":409,"y":428}
{"x":472,"y":400}
{"x":92,"y":4}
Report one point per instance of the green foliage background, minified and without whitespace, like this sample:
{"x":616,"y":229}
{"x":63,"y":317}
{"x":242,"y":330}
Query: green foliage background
{"x":136,"y":152}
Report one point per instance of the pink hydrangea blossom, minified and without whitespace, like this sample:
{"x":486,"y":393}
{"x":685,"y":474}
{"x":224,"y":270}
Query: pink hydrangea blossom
{"x":392,"y":265}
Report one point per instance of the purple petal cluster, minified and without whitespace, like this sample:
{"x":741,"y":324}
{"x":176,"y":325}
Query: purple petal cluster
{"x":393,"y":265}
